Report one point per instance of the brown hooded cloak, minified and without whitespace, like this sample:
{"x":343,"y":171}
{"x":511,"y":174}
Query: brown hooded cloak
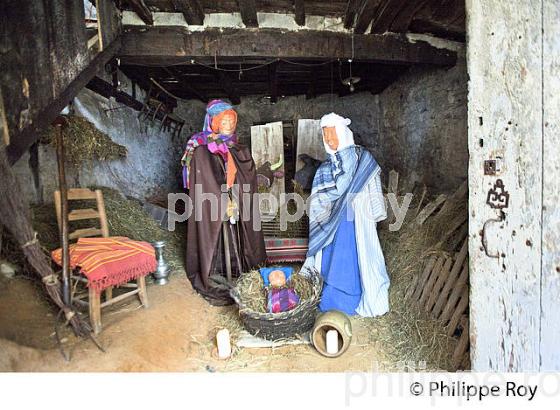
{"x":205,"y":257}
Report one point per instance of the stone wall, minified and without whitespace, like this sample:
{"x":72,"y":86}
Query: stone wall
{"x":424,"y":125}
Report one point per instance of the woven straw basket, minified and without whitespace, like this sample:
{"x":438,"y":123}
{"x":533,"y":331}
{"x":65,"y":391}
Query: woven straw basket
{"x":285,"y":325}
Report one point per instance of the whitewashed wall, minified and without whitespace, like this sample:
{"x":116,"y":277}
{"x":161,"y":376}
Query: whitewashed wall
{"x":514,"y":299}
{"x":550,"y":323}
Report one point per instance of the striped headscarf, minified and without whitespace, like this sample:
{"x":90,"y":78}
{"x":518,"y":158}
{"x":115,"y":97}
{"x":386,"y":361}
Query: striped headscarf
{"x":217,"y":143}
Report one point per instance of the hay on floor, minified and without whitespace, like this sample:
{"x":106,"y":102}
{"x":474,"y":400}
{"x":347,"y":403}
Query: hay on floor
{"x":406,"y":336}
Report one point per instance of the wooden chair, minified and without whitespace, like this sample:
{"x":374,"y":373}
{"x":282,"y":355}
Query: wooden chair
{"x":94,"y":298}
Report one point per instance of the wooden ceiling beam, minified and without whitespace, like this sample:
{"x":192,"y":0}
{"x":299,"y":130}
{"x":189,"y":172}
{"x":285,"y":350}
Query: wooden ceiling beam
{"x":172,"y":45}
{"x":365,"y":15}
{"x":105,"y":89}
{"x":142,"y":10}
{"x":248,"y":11}
{"x":228,"y":86}
{"x":386,"y":13}
{"x":273,"y":81}
{"x":403,"y":19}
{"x":187,"y":85}
{"x":299,"y":6}
{"x":350,"y":13}
{"x":313,"y":79}
{"x":191,"y":9}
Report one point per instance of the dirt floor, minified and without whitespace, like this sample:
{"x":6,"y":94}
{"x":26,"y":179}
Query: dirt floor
{"x":176,"y":333}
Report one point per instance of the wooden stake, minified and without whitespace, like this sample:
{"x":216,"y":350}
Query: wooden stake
{"x":227,"y":253}
{"x":60,"y":122}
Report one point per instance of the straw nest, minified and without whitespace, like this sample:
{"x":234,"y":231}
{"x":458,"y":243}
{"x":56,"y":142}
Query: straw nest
{"x":84,"y":143}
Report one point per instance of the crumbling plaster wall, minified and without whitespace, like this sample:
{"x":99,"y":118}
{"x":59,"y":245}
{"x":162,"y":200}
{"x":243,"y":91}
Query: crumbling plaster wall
{"x":424,"y":125}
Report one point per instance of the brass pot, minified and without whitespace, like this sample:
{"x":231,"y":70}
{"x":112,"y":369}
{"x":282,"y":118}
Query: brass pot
{"x":333,"y":319}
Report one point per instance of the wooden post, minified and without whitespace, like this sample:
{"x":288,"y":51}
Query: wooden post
{"x":60,"y":122}
{"x":227,"y":253}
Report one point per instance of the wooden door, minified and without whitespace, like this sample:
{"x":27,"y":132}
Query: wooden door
{"x":514,"y":186}
{"x":267,"y":145}
{"x":309,"y":141}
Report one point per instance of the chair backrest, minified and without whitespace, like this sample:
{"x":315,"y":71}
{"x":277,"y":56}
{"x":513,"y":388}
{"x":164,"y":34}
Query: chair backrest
{"x":80,"y":194}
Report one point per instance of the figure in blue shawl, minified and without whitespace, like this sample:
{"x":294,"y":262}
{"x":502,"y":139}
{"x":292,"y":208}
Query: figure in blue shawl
{"x":346,"y":205}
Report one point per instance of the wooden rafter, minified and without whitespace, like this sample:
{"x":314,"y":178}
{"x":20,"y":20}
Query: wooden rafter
{"x":273,"y":81}
{"x":402,"y":20}
{"x":365,"y":15}
{"x":169,"y":45}
{"x":188,"y":86}
{"x":228,"y":86}
{"x":350,"y":13}
{"x":386,"y":13}
{"x":248,"y":11}
{"x":191,"y":9}
{"x":312,"y":89}
{"x":299,"y":7}
{"x":142,"y":10}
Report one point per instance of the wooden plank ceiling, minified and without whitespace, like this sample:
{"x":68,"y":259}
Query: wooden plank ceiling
{"x":233,"y":76}
{"x":442,"y":18}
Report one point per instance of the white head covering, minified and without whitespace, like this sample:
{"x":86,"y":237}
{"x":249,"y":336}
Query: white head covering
{"x":344,"y":134}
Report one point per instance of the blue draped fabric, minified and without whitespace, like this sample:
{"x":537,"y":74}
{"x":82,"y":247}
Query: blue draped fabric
{"x":342,"y":289}
{"x":345,"y":172}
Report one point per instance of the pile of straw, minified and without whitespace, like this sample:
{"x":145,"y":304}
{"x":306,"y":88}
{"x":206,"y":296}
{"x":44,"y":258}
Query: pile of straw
{"x":84,"y":143}
{"x":408,"y":335}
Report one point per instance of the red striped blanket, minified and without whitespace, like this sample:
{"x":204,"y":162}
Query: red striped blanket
{"x":110,"y":261}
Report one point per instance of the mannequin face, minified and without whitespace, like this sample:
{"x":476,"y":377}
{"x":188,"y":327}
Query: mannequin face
{"x":330,"y":137}
{"x":227,"y":124}
{"x":277,"y":278}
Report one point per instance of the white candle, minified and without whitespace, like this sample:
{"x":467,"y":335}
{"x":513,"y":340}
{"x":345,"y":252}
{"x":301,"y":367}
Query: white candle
{"x":332,"y":341}
{"x":224,"y":345}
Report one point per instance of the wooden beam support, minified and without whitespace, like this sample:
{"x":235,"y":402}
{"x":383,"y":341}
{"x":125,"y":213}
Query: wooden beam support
{"x":142,"y":10}
{"x":172,"y":45}
{"x":312,"y":89}
{"x":365,"y":15}
{"x":350,"y":14}
{"x":106,"y":90}
{"x":299,"y":6}
{"x":273,"y":82}
{"x":34,"y":167}
{"x":22,"y":140}
{"x":386,"y":13}
{"x":191,"y":9}
{"x":403,"y":19}
{"x":189,"y":87}
{"x":248,"y":11}
{"x":228,"y":86}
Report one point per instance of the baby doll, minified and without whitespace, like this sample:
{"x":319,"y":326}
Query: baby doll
{"x":281,"y":296}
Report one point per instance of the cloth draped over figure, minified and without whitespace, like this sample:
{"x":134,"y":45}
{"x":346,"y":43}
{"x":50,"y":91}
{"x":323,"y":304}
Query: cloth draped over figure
{"x":215,"y":165}
{"x":346,"y":205}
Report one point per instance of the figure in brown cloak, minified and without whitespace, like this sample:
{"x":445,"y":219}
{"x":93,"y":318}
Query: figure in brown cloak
{"x":220,"y":174}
